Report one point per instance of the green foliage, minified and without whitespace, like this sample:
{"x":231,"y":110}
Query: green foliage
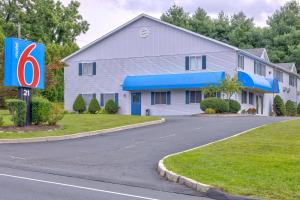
{"x":290,"y":107}
{"x":279,"y":107}
{"x":177,"y":16}
{"x":281,"y":38}
{"x":94,"y":106}
{"x":79,"y":104}
{"x":231,"y":86}
{"x":210,"y":111}
{"x":298,"y":109}
{"x":219,"y":105}
{"x":234,"y":106}
{"x":1,"y":120}
{"x":56,"y":113}
{"x":17,"y":109}
{"x":101,"y":112}
{"x":40,"y":109}
{"x":211,"y":91}
{"x":111,"y":107}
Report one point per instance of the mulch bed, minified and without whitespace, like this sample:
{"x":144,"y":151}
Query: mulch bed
{"x":28,"y":128}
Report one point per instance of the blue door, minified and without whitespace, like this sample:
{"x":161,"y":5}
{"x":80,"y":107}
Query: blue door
{"x":136,"y":103}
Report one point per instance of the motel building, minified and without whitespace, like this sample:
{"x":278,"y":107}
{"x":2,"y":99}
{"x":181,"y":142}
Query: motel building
{"x":148,"y":65}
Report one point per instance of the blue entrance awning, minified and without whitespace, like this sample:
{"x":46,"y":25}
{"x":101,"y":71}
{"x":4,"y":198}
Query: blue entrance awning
{"x":256,"y":82}
{"x":173,"y":81}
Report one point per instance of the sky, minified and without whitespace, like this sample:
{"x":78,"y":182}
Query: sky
{"x":106,"y":15}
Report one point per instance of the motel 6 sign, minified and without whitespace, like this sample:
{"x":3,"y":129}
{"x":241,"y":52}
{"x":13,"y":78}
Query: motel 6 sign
{"x":24,"y":63}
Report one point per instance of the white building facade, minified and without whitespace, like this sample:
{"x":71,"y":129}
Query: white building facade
{"x":148,"y":65}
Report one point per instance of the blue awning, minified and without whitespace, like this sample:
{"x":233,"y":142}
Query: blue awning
{"x":173,"y":81}
{"x":267,"y":85}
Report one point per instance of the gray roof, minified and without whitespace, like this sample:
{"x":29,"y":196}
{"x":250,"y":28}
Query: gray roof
{"x":256,"y":51}
{"x":288,"y":66}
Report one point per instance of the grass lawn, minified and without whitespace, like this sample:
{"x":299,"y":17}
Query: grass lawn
{"x":264,"y":163}
{"x":75,"y":123}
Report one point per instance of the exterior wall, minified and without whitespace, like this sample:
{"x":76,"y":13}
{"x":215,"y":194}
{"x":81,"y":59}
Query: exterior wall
{"x":125,"y":53}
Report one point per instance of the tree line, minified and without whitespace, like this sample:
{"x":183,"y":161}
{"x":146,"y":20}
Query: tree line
{"x":281,"y":36}
{"x":48,"y":22}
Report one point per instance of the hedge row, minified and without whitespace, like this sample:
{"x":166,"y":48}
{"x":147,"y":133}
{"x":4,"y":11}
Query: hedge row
{"x":287,"y":109}
{"x":220,"y":105}
{"x":79,"y":106}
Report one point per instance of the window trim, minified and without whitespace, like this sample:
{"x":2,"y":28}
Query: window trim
{"x":260,"y":68}
{"x":276,"y":71}
{"x":292,"y":80}
{"x":167,"y":98}
{"x":250,"y":98}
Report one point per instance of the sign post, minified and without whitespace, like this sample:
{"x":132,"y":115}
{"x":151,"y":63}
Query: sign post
{"x":24,"y":67}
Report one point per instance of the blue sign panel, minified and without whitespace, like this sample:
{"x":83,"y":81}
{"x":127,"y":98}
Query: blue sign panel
{"x":24,"y":63}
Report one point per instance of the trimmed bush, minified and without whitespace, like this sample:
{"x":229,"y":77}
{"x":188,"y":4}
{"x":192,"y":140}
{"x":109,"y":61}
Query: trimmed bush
{"x":94,"y":106}
{"x":210,"y":111}
{"x":17,"y":109}
{"x":111,"y":107}
{"x":279,"y":107}
{"x":234,"y":106}
{"x":298,"y":109}
{"x":290,"y":107}
{"x":40,"y":110}
{"x":219,"y":105}
{"x":79,"y":104}
{"x":56,"y":113}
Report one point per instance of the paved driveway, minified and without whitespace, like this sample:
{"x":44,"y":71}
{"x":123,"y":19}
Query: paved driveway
{"x":126,"y":158}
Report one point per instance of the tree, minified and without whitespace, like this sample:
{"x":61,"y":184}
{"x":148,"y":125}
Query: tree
{"x":94,"y":106}
{"x":278,"y":106}
{"x":211,"y":91}
{"x":79,"y":104}
{"x":202,"y":23}
{"x":221,"y":28}
{"x":231,"y":86}
{"x":46,"y":21}
{"x":177,"y":16}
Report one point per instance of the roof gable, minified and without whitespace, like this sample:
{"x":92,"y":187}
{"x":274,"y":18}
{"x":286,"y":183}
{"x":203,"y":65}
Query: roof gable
{"x":153,"y":19}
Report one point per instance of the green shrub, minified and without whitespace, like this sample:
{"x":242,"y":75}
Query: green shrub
{"x":40,"y":110}
{"x":111,"y":107}
{"x":94,"y":106}
{"x":290,"y":107}
{"x":209,"y":111}
{"x":56,"y":113}
{"x":1,"y":120}
{"x":234,"y":106}
{"x":219,"y":105}
{"x":101,"y":111}
{"x":279,"y":107}
{"x":17,"y":109}
{"x":298,"y":109}
{"x":79,"y":104}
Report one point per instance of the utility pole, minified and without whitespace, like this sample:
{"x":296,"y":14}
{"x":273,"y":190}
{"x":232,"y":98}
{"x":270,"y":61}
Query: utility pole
{"x":25,"y":93}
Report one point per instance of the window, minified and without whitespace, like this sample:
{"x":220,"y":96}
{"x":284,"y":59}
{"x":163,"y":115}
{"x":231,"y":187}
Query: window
{"x":259,"y":68}
{"x":87,"y":69}
{"x":107,"y":96}
{"x":194,"y":96}
{"x":292,"y":80}
{"x":87,"y":98}
{"x":278,"y":75}
{"x":160,"y":98}
{"x":244,"y":97}
{"x":195,"y":62}
{"x":240,"y":61}
{"x":251,"y":98}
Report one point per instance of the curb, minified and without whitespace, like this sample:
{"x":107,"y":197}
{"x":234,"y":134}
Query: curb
{"x":208,"y":190}
{"x":80,"y":135}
